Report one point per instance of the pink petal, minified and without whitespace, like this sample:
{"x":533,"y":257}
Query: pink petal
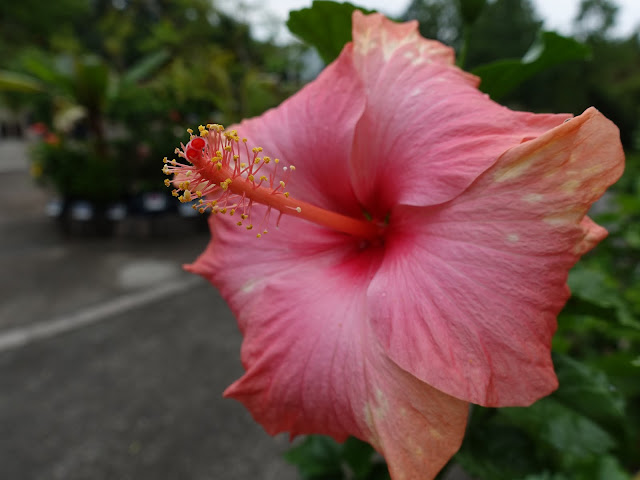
{"x":313,"y":130}
{"x":467,"y":296}
{"x":313,"y":364}
{"x":427,"y":133}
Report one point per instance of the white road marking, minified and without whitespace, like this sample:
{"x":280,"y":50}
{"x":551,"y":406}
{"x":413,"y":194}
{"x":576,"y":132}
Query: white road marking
{"x":19,"y":337}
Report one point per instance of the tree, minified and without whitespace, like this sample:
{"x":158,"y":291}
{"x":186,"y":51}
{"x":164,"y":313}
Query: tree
{"x":504,"y":29}
{"x":595,"y":18}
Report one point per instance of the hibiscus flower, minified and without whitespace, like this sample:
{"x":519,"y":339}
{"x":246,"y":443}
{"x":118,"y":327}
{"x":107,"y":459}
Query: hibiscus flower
{"x":423,"y":253}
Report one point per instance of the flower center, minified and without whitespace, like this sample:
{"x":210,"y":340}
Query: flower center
{"x":226,"y":177}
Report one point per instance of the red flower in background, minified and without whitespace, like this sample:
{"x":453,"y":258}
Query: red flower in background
{"x":424,"y":255}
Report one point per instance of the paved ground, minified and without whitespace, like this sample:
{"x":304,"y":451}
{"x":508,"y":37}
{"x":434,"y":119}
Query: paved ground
{"x":112,"y":360}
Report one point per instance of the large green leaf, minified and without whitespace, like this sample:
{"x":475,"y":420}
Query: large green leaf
{"x":588,"y":391}
{"x":501,"y":77}
{"x":321,"y":458}
{"x":325,"y":25}
{"x":146,"y":67}
{"x":17,"y":82}
{"x":605,"y":467}
{"x":493,"y":450}
{"x":316,"y":457}
{"x":595,"y":293}
{"x":561,"y":430}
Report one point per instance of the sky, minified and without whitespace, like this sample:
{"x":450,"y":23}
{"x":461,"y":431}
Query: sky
{"x":265,"y":15}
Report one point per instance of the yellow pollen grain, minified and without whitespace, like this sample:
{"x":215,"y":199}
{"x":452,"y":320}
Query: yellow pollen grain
{"x":167,"y":182}
{"x":286,"y":194}
{"x":298,"y":209}
{"x":239,"y":224}
{"x":165,"y":160}
{"x":281,"y":183}
{"x":249,"y":227}
{"x":263,"y":178}
{"x":251,"y":178}
{"x":189,"y":131}
{"x":277,"y":160}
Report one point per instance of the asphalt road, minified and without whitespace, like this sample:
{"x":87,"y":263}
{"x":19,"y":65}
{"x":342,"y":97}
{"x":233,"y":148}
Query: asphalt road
{"x":112,"y":359}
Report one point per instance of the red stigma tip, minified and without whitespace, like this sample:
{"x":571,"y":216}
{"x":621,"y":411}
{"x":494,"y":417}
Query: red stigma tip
{"x":192,"y":153}
{"x":197,"y":143}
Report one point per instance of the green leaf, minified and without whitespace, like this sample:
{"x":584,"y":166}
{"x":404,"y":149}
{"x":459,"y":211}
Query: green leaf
{"x":605,"y":468}
{"x":325,"y":25}
{"x":546,"y":476}
{"x":357,"y":454}
{"x":562,"y":430}
{"x":17,"y":82}
{"x":589,"y":392}
{"x":470,"y":10}
{"x":493,"y":450}
{"x":601,"y":468}
{"x":317,"y":456}
{"x":146,"y":67}
{"x":501,"y":77}
{"x":593,"y":288}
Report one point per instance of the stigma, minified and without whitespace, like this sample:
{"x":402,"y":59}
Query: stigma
{"x":221,"y":174}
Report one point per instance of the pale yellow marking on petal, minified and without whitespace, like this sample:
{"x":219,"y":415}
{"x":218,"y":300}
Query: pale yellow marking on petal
{"x":514,"y":170}
{"x":533,"y":197}
{"x":570,"y":186}
{"x":376,"y":410}
{"x":513,"y":238}
{"x":564,"y":218}
{"x":250,"y":285}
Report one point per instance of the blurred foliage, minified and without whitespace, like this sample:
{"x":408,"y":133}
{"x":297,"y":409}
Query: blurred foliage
{"x":501,"y":77}
{"x":326,"y":25}
{"x":121,"y":80}
{"x":589,"y":429}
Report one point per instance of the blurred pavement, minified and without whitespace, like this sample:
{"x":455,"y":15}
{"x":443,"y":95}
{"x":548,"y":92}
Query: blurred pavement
{"x":112,"y":359}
